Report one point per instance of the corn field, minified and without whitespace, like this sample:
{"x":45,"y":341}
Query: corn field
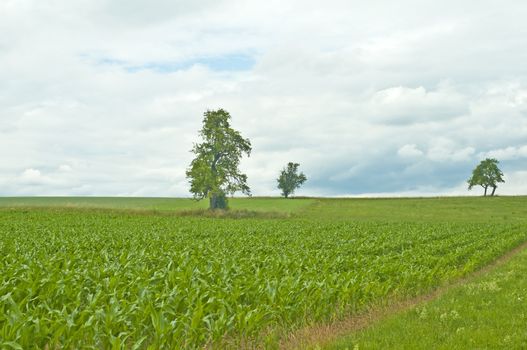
{"x":74,"y":279}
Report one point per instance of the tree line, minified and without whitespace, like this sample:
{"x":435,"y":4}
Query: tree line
{"x":214,"y":172}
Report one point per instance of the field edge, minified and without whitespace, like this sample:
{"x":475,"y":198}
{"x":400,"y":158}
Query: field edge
{"x":320,"y":336}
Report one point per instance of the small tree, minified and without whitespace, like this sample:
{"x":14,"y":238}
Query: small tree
{"x":289,"y":179}
{"x":214,"y":172}
{"x":486,"y":174}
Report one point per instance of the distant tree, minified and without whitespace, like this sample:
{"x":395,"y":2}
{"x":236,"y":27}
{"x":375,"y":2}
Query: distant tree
{"x":214,"y":172}
{"x":289,"y":179}
{"x":486,"y":174}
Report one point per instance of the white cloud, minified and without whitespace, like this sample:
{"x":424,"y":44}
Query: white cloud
{"x":31,"y":176}
{"x":445,"y":150}
{"x":403,"y":105}
{"x":409,"y":151}
{"x":365,"y":95}
{"x":65,"y":168}
{"x":508,"y":153}
{"x":515,"y":182}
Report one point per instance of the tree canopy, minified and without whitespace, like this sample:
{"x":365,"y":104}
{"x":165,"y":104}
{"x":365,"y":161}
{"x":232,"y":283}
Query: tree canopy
{"x":289,"y":179}
{"x":214,"y":173}
{"x":486,"y":174}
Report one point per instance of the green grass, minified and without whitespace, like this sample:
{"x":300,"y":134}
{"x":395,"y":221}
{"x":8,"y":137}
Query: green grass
{"x":158,"y":204}
{"x":489,"y":312}
{"x":104,"y":202}
{"x":440,"y":209}
{"x":74,"y":274}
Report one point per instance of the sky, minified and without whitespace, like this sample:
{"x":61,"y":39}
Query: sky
{"x":372,"y":98}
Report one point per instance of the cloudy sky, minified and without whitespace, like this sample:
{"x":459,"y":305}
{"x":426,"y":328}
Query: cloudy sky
{"x":105,"y":97}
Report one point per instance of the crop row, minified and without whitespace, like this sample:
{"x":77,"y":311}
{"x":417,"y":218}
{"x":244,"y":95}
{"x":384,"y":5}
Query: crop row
{"x":88,"y":279}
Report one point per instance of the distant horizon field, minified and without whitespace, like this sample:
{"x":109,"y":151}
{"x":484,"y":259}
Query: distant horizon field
{"x":150,"y":203}
{"x":456,"y":209}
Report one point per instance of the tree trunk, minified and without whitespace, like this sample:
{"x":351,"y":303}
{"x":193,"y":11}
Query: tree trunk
{"x":493,"y":190}
{"x":218,"y":201}
{"x":485,"y":194}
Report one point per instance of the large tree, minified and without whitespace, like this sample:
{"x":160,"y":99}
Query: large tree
{"x":214,"y":173}
{"x":487,"y":175}
{"x":289,"y":179}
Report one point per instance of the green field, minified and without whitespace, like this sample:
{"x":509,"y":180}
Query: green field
{"x":153,"y":204}
{"x":489,"y":312}
{"x":440,"y":209}
{"x":121,"y":273}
